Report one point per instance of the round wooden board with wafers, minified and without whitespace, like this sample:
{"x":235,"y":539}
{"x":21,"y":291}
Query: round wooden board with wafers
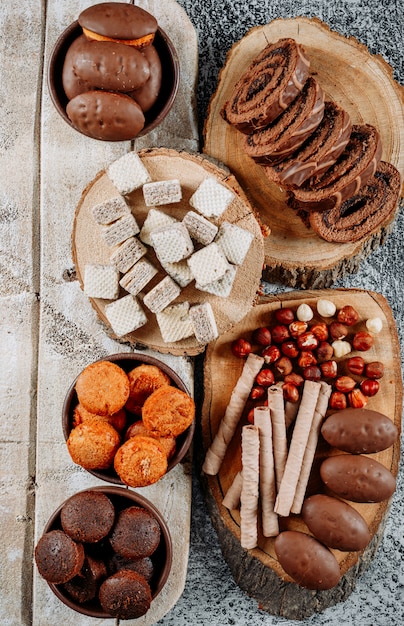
{"x":359,"y":82}
{"x":258,"y":571}
{"x":190,"y":169}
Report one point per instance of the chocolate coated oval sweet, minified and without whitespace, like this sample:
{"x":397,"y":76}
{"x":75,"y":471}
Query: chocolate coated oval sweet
{"x":359,"y":431}
{"x":335,"y":523}
{"x":105,"y":115}
{"x":357,"y":478}
{"x":311,"y":564}
{"x":107,"y":65}
{"x":148,"y":93}
{"x":118,"y":19}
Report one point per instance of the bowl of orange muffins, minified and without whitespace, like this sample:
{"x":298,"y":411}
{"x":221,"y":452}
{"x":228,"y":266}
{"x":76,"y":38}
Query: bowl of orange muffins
{"x":128,"y":419}
{"x":105,"y":552}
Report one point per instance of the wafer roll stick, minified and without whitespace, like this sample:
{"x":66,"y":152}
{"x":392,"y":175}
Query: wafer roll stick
{"x":319,"y":414}
{"x":232,"y":498}
{"x":270,"y":525}
{"x":250,"y":448}
{"x":291,"y":409}
{"x":228,"y":424}
{"x":277,"y":409}
{"x":297,"y":448}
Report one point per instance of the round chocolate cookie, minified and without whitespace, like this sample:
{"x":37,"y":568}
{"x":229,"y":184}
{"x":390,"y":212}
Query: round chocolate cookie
{"x":118,"y":20}
{"x":136,"y":533}
{"x":87,"y":516}
{"x":125,"y":595}
{"x":58,"y":557}
{"x":84,"y":586}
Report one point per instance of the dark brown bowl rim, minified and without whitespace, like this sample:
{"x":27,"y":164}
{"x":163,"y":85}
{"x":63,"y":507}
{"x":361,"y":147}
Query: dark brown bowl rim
{"x":183,"y":441}
{"x":153,"y":117}
{"x":133,"y":496}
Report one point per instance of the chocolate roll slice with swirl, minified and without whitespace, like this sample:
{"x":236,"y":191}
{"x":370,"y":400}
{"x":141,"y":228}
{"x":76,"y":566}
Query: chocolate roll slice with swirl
{"x":317,"y":153}
{"x":351,"y":171}
{"x":269,"y":85}
{"x":363,"y":213}
{"x":285,"y":134}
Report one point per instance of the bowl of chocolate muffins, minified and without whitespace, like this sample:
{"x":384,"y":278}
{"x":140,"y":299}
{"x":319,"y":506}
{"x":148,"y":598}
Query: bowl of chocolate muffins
{"x":128,"y":419}
{"x":113,"y":74}
{"x":105,"y":552}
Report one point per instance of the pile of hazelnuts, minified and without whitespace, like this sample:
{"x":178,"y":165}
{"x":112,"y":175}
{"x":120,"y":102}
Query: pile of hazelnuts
{"x":296,"y":347}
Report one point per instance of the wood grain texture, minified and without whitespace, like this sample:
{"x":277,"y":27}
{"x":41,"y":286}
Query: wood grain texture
{"x":358,"y":81}
{"x":258,"y":571}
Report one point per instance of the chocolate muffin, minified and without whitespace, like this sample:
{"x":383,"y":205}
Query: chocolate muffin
{"x":136,"y":533}
{"x":85,"y":585}
{"x":88,"y":516}
{"x":58,"y":557}
{"x":143,"y":566}
{"x":125,"y":595}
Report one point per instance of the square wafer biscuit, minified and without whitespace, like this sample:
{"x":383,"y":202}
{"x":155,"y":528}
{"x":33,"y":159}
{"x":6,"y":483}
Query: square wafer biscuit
{"x":119,"y":231}
{"x":208,"y":264}
{"x":101,"y":281}
{"x":138,"y":277}
{"x":110,"y":210}
{"x":180,"y":272}
{"x":199,"y":228}
{"x":203,"y":322}
{"x":125,"y":315}
{"x":211,"y":198}
{"x":234,"y":242}
{"x":222,"y":287}
{"x":155,"y":219}
{"x":174,"y":322}
{"x":128,"y":173}
{"x":162,"y":192}
{"x":161,"y":295}
{"x":127,"y":254}
{"x":172,"y":243}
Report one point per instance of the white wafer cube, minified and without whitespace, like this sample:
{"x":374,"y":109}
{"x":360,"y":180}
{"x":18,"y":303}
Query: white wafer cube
{"x":101,"y":281}
{"x":162,"y":192}
{"x":199,"y":228}
{"x":110,"y":210}
{"x":138,"y":277}
{"x":234,"y":242}
{"x":211,"y":198}
{"x":127,"y":254}
{"x":125,"y":315}
{"x":174,"y":322}
{"x":221,"y":287}
{"x":208,"y":264}
{"x":155,"y":219}
{"x":180,"y":272}
{"x":118,"y":231}
{"x":203,"y":322}
{"x":128,"y":173}
{"x":161,"y":295}
{"x":172,"y":243}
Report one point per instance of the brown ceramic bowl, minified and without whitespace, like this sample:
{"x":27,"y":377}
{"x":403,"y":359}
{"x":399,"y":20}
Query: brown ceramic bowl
{"x":128,"y":361}
{"x":162,"y":557}
{"x":168,"y":91}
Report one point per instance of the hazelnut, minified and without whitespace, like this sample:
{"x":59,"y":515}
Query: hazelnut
{"x":312,"y":373}
{"x":284,"y":316}
{"x":326,"y":308}
{"x":290,"y":392}
{"x":294,"y":378}
{"x":290,"y":349}
{"x":337,"y":401}
{"x":374,"y":325}
{"x":307,"y":341}
{"x":341,"y":348}
{"x":297,"y":328}
{"x":356,"y":399}
{"x":362,"y":341}
{"x":375,"y":369}
{"x":329,"y":369}
{"x":280,"y":333}
{"x":262,"y":336}
{"x":241,"y":348}
{"x":348,"y":315}
{"x":345,"y":384}
{"x":284,"y":366}
{"x":338,"y":330}
{"x":369,"y":387}
{"x":304,"y":312}
{"x":324,"y":352}
{"x":265,"y":378}
{"x":320,"y":330}
{"x":356,"y":365}
{"x":271,"y":354}
{"x":306,"y":358}
{"x":257,"y":392}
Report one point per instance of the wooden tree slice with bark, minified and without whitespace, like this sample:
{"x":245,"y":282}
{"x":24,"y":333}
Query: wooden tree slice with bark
{"x":190,"y":169}
{"x":359,"y":82}
{"x":258,"y":571}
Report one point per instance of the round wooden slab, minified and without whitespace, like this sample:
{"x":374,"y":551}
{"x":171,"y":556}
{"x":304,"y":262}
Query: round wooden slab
{"x":164,"y":164}
{"x":363,"y":85}
{"x":258,"y":571}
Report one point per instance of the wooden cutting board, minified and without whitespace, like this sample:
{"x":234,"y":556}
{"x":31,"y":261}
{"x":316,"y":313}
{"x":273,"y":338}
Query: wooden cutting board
{"x":363,"y":85}
{"x":258,"y":571}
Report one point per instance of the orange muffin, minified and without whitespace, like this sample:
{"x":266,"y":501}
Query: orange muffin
{"x":93,"y":444}
{"x":140,"y":461}
{"x":168,"y":411}
{"x":138,"y":428}
{"x":117,"y":420}
{"x":143,"y":380}
{"x":102,"y":388}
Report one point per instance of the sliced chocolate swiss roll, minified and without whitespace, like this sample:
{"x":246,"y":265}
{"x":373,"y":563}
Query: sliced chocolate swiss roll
{"x":317,"y":153}
{"x":285,"y":134}
{"x":364,"y":212}
{"x":271,"y":82}
{"x":351,"y":171}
